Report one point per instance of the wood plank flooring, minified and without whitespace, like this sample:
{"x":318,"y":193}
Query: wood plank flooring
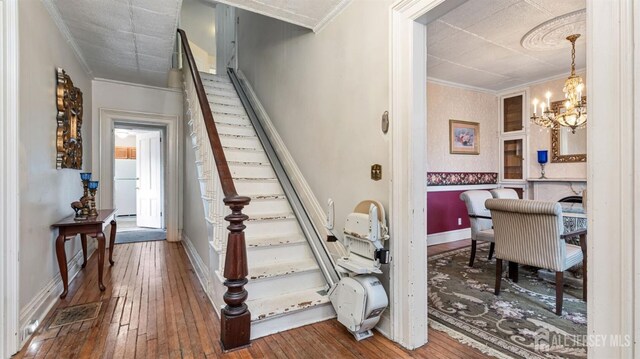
{"x":154,"y":307}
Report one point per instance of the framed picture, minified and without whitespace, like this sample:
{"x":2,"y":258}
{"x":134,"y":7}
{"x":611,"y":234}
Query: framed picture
{"x":464,"y":137}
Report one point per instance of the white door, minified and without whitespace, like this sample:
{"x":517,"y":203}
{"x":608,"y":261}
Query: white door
{"x":149,"y":201}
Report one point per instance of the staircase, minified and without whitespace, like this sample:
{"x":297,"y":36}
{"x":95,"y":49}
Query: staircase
{"x":286,"y":286}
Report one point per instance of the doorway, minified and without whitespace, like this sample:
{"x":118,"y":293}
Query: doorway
{"x":138,"y":182}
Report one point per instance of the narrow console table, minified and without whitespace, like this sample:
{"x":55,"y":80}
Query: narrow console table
{"x":68,"y":228}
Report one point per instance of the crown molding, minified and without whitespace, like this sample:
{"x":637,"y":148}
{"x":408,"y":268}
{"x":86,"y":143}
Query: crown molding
{"x":337,"y":10}
{"x":460,"y":86}
{"x":64,"y":30}
{"x":133,"y":84}
{"x":563,"y":75}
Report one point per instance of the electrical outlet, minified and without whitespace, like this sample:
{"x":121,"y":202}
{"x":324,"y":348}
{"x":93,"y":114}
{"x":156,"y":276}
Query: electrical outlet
{"x":459,"y":221}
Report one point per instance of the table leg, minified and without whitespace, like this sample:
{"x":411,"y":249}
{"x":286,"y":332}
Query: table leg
{"x":62,"y":264}
{"x":112,"y":240}
{"x":101,"y":248}
{"x":83,"y":239}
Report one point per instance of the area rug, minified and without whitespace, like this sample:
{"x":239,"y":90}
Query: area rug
{"x":143,"y":235}
{"x":519,"y":323}
{"x":76,"y":313}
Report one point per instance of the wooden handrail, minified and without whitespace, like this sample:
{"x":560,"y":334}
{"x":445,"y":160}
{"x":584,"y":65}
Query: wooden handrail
{"x":235,"y":328}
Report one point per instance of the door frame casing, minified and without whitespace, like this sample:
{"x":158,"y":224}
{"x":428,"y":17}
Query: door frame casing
{"x":9,"y":179}
{"x":172,"y":157}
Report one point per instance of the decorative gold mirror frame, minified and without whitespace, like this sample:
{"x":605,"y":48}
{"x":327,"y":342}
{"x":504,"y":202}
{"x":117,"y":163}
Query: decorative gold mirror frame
{"x":556,"y":157}
{"x":69,"y":118}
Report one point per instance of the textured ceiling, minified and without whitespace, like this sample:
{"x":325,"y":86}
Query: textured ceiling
{"x":479,"y":43}
{"x":312,"y":14}
{"x":125,"y":40}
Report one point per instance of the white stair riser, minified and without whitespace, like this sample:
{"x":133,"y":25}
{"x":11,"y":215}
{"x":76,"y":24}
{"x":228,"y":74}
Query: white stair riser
{"x":267,"y":206}
{"x":258,"y":188}
{"x":252,"y":171}
{"x":258,"y":256}
{"x":227,"y":100}
{"x":252,"y":142}
{"x":226,"y":118}
{"x":294,"y":282}
{"x":294,"y":320}
{"x":241,"y":155}
{"x":234,"y":130}
{"x":271,"y":228}
{"x":217,"y":89}
{"x":239,"y":110}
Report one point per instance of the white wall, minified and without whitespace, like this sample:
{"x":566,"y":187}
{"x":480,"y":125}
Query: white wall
{"x":45,"y":192}
{"x":326,"y":93}
{"x":540,"y":139}
{"x":446,"y":103}
{"x":194,"y":223}
{"x":198,"y":20}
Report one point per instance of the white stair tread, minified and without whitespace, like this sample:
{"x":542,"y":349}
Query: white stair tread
{"x":273,"y":241}
{"x":233,"y":135}
{"x":280,"y":269}
{"x":258,"y":197}
{"x":250,"y":149}
{"x":271,"y":217}
{"x":248,"y":163}
{"x":220,"y":123}
{"x":255,"y":179}
{"x":266,"y":308}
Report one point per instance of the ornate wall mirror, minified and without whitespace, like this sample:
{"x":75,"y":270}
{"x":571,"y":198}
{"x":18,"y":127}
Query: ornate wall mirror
{"x":567,"y":146}
{"x":69,"y":118}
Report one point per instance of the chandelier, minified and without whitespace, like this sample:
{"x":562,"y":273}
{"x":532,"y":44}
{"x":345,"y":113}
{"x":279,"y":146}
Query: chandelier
{"x":572,"y":112}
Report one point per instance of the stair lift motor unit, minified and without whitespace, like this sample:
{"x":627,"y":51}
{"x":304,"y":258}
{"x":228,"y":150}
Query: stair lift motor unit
{"x":359,"y":298}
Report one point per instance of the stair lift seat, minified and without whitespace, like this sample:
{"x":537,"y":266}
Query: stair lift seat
{"x":359,"y":297}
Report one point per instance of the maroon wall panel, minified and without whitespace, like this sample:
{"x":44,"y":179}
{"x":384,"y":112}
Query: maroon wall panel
{"x":443,"y":211}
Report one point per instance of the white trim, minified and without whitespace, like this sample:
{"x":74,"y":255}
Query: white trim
{"x":66,"y":34}
{"x":460,"y":187}
{"x":133,"y":84}
{"x":449,"y":236}
{"x":48,"y":296}
{"x":300,"y":184}
{"x":235,"y":4}
{"x":337,"y":10}
{"x":523,"y":86}
{"x":9,"y":178}
{"x":201,"y":269}
{"x":502,"y":92}
{"x":460,"y":86}
{"x":173,"y":161}
{"x":614,"y":190}
{"x":408,"y":110}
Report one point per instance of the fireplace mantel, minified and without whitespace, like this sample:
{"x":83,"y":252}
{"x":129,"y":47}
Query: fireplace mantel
{"x":553,"y":189}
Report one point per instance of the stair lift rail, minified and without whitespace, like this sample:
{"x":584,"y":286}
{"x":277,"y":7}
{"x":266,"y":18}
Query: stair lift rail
{"x":321,"y":253}
{"x":235,"y":327}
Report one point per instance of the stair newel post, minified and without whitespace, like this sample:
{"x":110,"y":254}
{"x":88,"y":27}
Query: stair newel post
{"x":235,"y":318}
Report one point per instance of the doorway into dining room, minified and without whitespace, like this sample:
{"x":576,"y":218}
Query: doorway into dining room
{"x":487,"y":65}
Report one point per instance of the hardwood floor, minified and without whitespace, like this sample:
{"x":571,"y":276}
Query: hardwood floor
{"x":154,"y":307}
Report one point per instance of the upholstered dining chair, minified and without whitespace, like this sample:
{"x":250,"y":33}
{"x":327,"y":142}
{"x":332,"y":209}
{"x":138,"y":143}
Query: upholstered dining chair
{"x":504,"y":193}
{"x":531,"y":233}
{"x":480,"y":218}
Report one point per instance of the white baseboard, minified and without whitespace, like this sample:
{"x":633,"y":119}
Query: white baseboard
{"x":450,"y":236}
{"x":202,"y":271}
{"x":384,"y":325}
{"x":42,"y":303}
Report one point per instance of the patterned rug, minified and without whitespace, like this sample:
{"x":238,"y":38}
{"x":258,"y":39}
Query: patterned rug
{"x":76,"y":313}
{"x":519,"y":323}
